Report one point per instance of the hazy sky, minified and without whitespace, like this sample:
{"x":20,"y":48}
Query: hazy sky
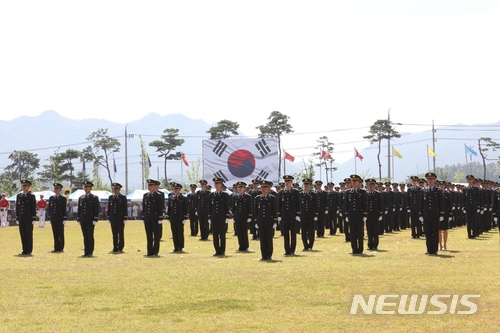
{"x":329,"y":65}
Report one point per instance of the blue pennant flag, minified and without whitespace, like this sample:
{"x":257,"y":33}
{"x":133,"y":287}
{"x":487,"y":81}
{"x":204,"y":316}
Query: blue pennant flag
{"x":470,"y":151}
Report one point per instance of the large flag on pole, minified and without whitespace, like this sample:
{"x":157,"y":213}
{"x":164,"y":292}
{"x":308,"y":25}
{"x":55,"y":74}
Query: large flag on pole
{"x":241,"y":159}
{"x":396,"y":153}
{"x":183,"y":157}
{"x":326,"y":155}
{"x":470,"y":151}
{"x":431,"y":152}
{"x":149,"y":162}
{"x":114,"y":164}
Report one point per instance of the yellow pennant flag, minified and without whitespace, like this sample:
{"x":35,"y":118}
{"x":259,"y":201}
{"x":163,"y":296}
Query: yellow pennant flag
{"x":431,"y":152}
{"x":396,"y":153}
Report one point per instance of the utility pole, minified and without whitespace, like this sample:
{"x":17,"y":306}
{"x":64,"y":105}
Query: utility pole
{"x":126,"y":160}
{"x":389,"y":146}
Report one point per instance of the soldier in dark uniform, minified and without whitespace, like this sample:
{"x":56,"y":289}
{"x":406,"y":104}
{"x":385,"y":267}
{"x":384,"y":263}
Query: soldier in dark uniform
{"x":445,"y":223}
{"x":57,"y":217}
{"x":88,"y":215}
{"x":356,"y":213}
{"x":242,"y":215}
{"x":375,"y":211}
{"x":289,"y":214}
{"x":254,"y":192}
{"x":389,"y":201}
{"x":432,"y":208}
{"x":266,"y":219}
{"x":219,"y":216}
{"x":177,"y":214}
{"x":343,"y":204}
{"x":322,"y":209}
{"x":193,"y":218}
{"x":397,"y":208}
{"x":152,"y":215}
{"x":117,"y":217}
{"x":471,"y":208}
{"x":26,"y":216}
{"x":308,"y":214}
{"x":203,"y":206}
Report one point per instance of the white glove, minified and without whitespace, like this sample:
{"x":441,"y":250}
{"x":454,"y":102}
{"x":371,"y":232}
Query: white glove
{"x":489,"y":209}
{"x":400,"y":209}
{"x":94,"y":222}
{"x":64,"y":222}
{"x":256,"y":226}
{"x":441,"y":218}
{"x":385,"y":212}
{"x":17,"y":222}
{"x":279,"y":218}
{"x":33,"y":222}
{"x":183,"y":221}
{"x":209,"y":221}
{"x":124,"y":221}
{"x":482,"y":212}
{"x":495,"y":219}
{"x":160,"y":221}
{"x":408,"y":211}
{"x":364,"y":219}
{"x":450,"y":218}
{"x":142,"y":221}
{"x":347,"y":219}
{"x":464,"y":211}
{"x":484,"y":208}
{"x":297,"y":218}
{"x":196,"y":213}
{"x":478,"y":211}
{"x":78,"y":223}
{"x":274,"y":226}
{"x":340,"y":214}
{"x":249,"y":220}
{"x":337,"y":211}
{"x":326,"y":212}
{"x":421,"y":219}
{"x":227,"y":220}
{"x":315,"y":218}
{"x":453,"y":208}
{"x":109,"y":221}
{"x":380,"y":218}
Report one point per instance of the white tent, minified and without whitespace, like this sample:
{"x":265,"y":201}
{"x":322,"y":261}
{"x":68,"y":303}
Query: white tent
{"x":137,"y":195}
{"x":46,"y":195}
{"x":103,"y":195}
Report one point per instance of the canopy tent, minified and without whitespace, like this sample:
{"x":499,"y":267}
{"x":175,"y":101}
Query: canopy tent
{"x":137,"y":195}
{"x":103,"y":195}
{"x":46,"y":195}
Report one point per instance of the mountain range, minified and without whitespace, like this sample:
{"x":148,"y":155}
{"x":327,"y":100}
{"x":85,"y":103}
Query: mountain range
{"x":50,"y":132}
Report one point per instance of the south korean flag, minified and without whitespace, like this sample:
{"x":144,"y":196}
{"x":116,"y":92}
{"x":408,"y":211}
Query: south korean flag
{"x":241,"y":159}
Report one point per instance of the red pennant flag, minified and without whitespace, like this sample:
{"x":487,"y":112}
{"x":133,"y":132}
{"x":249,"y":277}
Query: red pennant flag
{"x":326,"y":155}
{"x":183,"y":157}
{"x":289,"y":157}
{"x":358,"y":154}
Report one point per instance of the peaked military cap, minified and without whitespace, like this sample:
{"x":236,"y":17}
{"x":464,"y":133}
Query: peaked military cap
{"x":25,"y":182}
{"x":306,"y":181}
{"x":116,"y":185}
{"x":414,"y":177}
{"x":218,"y":180}
{"x":347,"y":180}
{"x":151,"y":182}
{"x":88,"y":183}
{"x":255,"y":181}
{"x":176,"y":185}
{"x":266,"y":183}
{"x":469,"y":177}
{"x":287,"y":177}
{"x":370,"y":181}
{"x":203,"y":182}
{"x":330,"y":184}
{"x":430,"y":175}
{"x":395,"y":184}
{"x":193,"y":185}
{"x":356,"y":177}
{"x":380,"y":184}
{"x":240,"y":184}
{"x":318,"y":182}
{"x":57,"y":185}
{"x":387,"y":183}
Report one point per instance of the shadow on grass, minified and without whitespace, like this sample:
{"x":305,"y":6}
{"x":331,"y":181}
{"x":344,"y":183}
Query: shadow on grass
{"x":270,"y":261}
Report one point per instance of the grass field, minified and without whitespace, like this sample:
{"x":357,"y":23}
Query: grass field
{"x":196,"y":292}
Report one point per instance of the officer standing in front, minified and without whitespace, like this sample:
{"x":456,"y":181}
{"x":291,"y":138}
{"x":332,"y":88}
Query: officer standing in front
{"x":356,"y":213}
{"x":308,"y":214}
{"x":152,"y":215}
{"x":432,"y":208}
{"x":177,"y":214}
{"x":219,"y":216}
{"x":289,"y":214}
{"x":266,"y":219}
{"x":375,"y":211}
{"x":26,"y":216}
{"x":117,"y":217}
{"x":202,"y":209}
{"x":88,"y":215}
{"x":57,"y":217}
{"x":193,"y":218}
{"x":242,"y":215}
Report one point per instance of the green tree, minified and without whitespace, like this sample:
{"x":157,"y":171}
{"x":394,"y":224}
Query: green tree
{"x":144,"y":162}
{"x":102,"y":149}
{"x":276,"y":126}
{"x":23,"y":166}
{"x":195,"y":173}
{"x":489,"y":143}
{"x":223,"y":130}
{"x":60,"y":167}
{"x":164,"y":148}
{"x":382,"y":129}
{"x":307,"y":172}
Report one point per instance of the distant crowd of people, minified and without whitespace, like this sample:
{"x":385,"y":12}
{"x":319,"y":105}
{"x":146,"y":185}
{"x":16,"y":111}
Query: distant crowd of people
{"x":425,"y":206}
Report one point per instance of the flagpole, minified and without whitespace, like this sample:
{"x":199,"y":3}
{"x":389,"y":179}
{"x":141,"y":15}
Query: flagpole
{"x":465,"y":148}
{"x":355,"y":162}
{"x":284,"y":163}
{"x":428,"y":162}
{"x":393,"y":174}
